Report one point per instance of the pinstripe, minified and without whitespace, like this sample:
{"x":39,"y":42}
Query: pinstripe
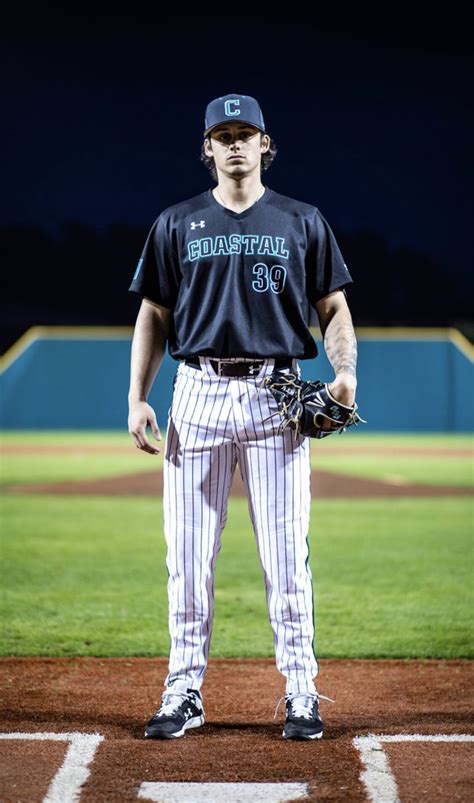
{"x":268,"y":537}
{"x":269,"y":570}
{"x":203,"y":402}
{"x":181,"y":542}
{"x":205,"y":613}
{"x":184,"y":575}
{"x":283,"y":591}
{"x":261,"y":542}
{"x":277,"y":580}
{"x":289,"y":582}
{"x":220,"y":508}
{"x":172,"y":584}
{"x":264,"y":547}
{"x":307,"y":503}
{"x":308,"y":586}
{"x":297,"y":558}
{"x":167,"y":507}
{"x":248,"y":480}
{"x":170,"y":527}
{"x":177,"y":634}
{"x":213,"y":534}
{"x":263,"y":538}
{"x":180,"y":638}
{"x":217,"y":423}
{"x":169,"y":517}
{"x":302,"y":586}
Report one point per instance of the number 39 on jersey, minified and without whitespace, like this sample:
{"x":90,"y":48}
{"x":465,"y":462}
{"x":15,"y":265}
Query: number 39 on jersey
{"x":269,"y":279}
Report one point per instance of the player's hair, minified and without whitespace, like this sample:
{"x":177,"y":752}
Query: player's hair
{"x":267,"y":159}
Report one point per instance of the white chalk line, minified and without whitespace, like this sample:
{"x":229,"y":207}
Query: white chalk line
{"x":74,"y":771}
{"x":377,"y":776}
{"x":222,"y":792}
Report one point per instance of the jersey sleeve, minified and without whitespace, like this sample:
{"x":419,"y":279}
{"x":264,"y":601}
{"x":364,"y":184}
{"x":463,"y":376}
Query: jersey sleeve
{"x":157,"y":275}
{"x":326,"y":270}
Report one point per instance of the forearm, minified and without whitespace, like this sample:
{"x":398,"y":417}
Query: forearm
{"x":148,"y":348}
{"x":340,"y":345}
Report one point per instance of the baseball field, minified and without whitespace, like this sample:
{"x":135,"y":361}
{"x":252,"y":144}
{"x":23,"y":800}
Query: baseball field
{"x":85,"y":636}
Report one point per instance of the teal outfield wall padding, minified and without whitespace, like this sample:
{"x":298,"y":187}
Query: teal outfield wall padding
{"x":409,"y":385}
{"x":74,"y":383}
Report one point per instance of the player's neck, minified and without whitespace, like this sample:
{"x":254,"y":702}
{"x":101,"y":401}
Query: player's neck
{"x":238,"y":195}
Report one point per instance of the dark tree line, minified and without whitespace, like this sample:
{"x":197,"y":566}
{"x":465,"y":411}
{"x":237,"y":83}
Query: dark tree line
{"x":82,"y":274}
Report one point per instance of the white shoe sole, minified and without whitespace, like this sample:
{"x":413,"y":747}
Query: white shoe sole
{"x":194,"y":722}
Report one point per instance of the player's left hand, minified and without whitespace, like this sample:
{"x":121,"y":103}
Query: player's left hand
{"x":310,"y":408}
{"x":343,"y":389}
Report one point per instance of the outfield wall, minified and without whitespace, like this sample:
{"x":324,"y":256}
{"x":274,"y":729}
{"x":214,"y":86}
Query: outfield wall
{"x":77,"y":378}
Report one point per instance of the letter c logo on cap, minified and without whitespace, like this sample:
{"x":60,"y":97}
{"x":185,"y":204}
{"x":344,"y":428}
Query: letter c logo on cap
{"x":228,"y":107}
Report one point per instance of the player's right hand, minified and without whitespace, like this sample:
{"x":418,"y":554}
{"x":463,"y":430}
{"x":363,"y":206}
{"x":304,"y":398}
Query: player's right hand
{"x":140,"y":416}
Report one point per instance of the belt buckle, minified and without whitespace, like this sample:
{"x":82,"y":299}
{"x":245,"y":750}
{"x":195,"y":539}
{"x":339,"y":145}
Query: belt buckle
{"x":253,"y":367}
{"x":220,"y":366}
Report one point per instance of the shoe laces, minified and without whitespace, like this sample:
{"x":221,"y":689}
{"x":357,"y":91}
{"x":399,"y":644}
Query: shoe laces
{"x":171,"y":702}
{"x":302,"y":703}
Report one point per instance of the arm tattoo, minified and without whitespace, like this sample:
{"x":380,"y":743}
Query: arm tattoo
{"x":341,"y":346}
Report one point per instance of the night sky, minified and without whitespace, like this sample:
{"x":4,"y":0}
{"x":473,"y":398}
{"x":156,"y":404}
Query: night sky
{"x":370,"y":111}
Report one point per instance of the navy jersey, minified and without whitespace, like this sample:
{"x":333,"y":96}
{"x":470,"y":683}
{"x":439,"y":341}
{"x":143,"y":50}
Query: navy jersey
{"x":240,"y":284}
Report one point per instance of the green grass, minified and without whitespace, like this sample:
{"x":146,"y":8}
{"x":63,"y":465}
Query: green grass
{"x":65,"y":437}
{"x":25,"y":469}
{"x":355,"y":437}
{"x":86,"y":576}
{"x":339,"y":454}
{"x":77,"y":462}
{"x":331,"y":454}
{"x":418,"y":470}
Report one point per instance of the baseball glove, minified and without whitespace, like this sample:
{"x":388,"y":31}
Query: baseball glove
{"x":304,"y":406}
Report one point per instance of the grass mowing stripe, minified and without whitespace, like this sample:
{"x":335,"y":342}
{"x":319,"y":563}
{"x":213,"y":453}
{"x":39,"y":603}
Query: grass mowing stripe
{"x":361,"y":438}
{"x":66,"y":437}
{"x":87,"y":576}
{"x":353,"y":438}
{"x":91,"y":455}
{"x":418,"y":470}
{"x":37,"y":468}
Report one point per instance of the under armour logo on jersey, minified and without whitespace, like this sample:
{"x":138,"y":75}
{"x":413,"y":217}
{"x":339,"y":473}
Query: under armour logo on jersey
{"x":201,"y":224}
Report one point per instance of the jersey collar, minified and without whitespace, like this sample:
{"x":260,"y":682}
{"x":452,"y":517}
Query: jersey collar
{"x":238,"y":215}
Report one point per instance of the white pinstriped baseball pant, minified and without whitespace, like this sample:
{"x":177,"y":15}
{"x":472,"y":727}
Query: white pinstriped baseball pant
{"x":213,"y":424}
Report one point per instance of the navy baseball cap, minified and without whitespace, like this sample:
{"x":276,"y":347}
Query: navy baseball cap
{"x":233,"y":108}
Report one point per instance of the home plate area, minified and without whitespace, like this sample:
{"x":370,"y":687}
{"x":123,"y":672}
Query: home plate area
{"x":72,"y":730}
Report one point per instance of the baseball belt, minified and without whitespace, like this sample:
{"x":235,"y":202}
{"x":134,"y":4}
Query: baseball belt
{"x":249,"y":367}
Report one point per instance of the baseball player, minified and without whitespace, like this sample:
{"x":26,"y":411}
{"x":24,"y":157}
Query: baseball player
{"x":228,"y":279}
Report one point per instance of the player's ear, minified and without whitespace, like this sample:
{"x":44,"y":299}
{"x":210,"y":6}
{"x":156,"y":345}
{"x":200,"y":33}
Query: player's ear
{"x":208,"y":147}
{"x":264,"y":143}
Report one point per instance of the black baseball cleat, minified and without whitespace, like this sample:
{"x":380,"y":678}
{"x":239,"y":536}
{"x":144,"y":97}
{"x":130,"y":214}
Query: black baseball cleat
{"x":179,"y":711}
{"x":303,"y":720}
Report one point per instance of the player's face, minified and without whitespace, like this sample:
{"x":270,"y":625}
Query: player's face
{"x":237,"y":148}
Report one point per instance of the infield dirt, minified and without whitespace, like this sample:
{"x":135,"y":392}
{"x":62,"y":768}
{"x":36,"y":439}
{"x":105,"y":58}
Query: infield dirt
{"x":324,"y":484}
{"x":241,"y":741}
